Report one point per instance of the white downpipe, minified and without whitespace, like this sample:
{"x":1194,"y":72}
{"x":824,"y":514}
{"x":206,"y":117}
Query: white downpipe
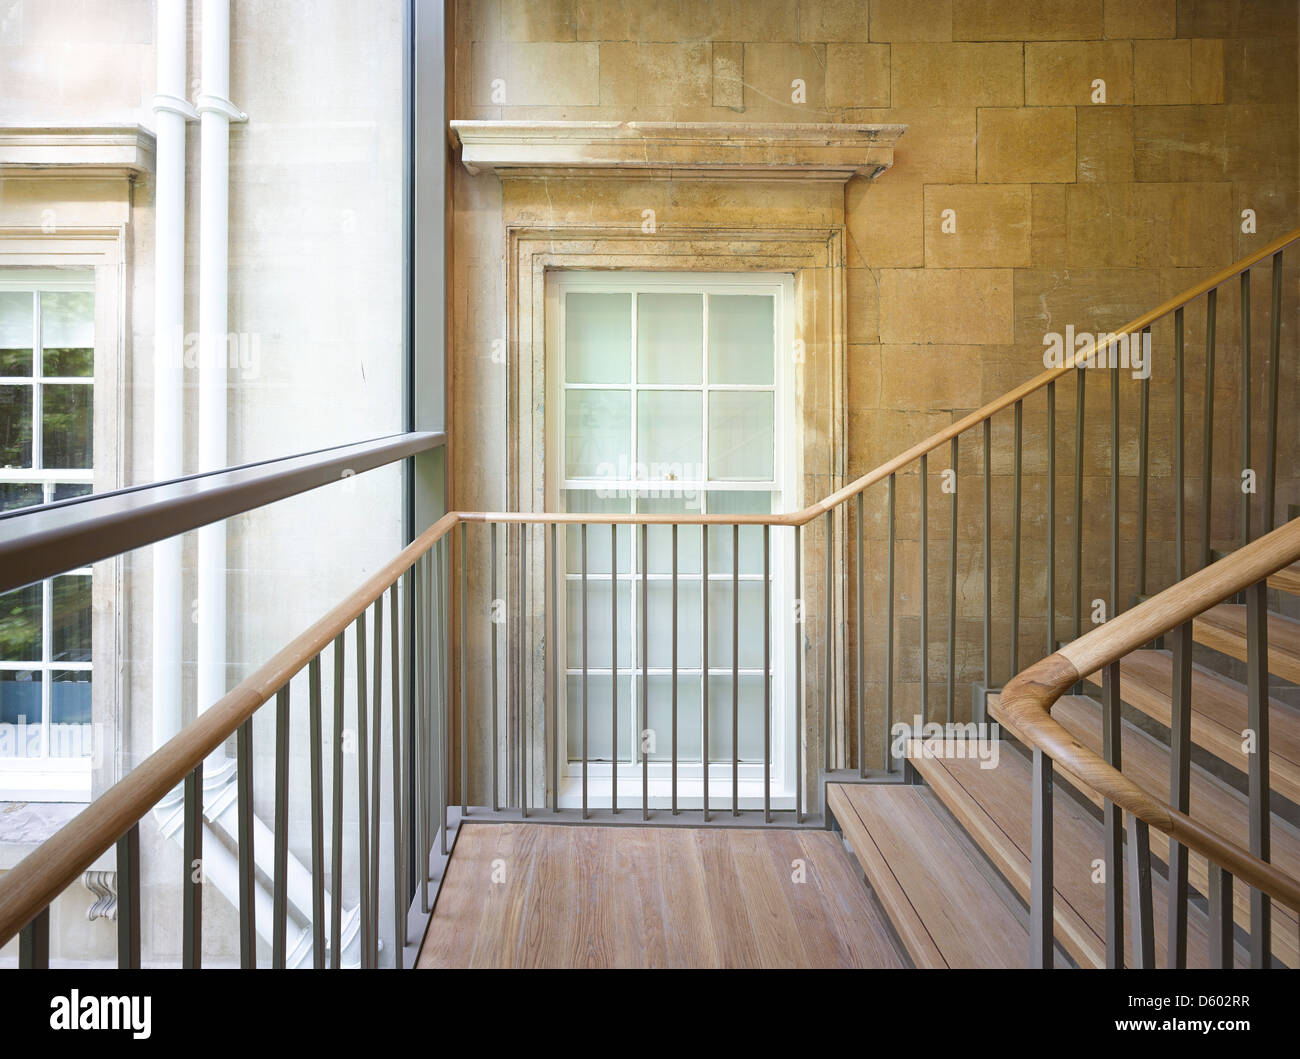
{"x":171,"y":111}
{"x":216,"y":110}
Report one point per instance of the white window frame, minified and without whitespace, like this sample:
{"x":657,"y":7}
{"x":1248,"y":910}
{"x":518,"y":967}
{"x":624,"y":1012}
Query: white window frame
{"x":45,"y":777}
{"x":780,"y":286}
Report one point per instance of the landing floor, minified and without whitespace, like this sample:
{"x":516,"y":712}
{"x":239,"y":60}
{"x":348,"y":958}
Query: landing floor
{"x":546,"y":895}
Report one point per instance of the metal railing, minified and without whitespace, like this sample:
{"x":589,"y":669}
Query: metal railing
{"x":439,"y":784}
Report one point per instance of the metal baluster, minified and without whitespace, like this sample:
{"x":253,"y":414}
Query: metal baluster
{"x":279,"y":925}
{"x":192,"y":882}
{"x":925,"y":587}
{"x":1144,"y":434}
{"x":444,"y":706}
{"x":1114,"y":490}
{"x":1180,"y":778}
{"x":557,"y":671}
{"x":1257,"y":721}
{"x":399,"y":822}
{"x":861,"y":641}
{"x":1051,"y":518}
{"x":828,"y":671}
{"x":1041,"y":885}
{"x":674,"y":658}
{"x":1245,"y":402}
{"x":613,"y":668}
{"x":317,"y":818}
{"x":1079,"y":403}
{"x":336,"y":828}
{"x":889,"y":631}
{"x":34,"y":942}
{"x":1207,"y":427}
{"x":704,"y":665}
{"x":735,"y":670}
{"x":1180,"y":534}
{"x":521,"y":666}
{"x":1139,"y":869}
{"x":645,"y":675}
{"x":584,"y":671}
{"x":1274,"y":367}
{"x":246,"y":852}
{"x":952,"y":587}
{"x":767,"y":673}
{"x":462,"y":675}
{"x":1221,"y":917}
{"x":798,"y":677}
{"x":374,"y":745}
{"x":363,"y":788}
{"x":1112,"y":820}
{"x":128,"y":898}
{"x":496,"y":702}
{"x":1016,"y":497}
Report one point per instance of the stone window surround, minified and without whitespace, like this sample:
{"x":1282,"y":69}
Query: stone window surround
{"x":750,"y":157}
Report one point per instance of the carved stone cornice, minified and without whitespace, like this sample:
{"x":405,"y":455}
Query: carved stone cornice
{"x":123,"y":150}
{"x":681,"y":150}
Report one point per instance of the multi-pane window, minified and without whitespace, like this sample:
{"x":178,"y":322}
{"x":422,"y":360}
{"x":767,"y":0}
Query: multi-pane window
{"x":47,"y":360}
{"x":671,"y":395}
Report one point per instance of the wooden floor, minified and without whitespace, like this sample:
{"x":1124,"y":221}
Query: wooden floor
{"x":546,"y":895}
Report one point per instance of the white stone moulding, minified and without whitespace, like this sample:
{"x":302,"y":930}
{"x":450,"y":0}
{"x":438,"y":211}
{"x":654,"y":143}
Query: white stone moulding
{"x":109,"y":149}
{"x":676,"y":150}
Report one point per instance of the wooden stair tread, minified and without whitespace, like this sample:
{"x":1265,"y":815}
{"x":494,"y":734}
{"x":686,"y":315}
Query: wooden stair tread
{"x":994,"y":805}
{"x":1219,"y":713}
{"x":1145,"y":761}
{"x":1287,"y":579}
{"x":1224,"y":629}
{"x":925,"y":880}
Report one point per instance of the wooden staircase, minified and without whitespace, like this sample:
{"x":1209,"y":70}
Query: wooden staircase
{"x":948,"y":851}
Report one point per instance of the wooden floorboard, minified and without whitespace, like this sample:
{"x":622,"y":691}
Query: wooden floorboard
{"x":545,"y":895}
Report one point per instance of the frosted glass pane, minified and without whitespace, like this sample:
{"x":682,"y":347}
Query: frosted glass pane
{"x":740,"y":339}
{"x":15,"y":333}
{"x":599,"y":640}
{"x":68,"y":319}
{"x":597,"y":433}
{"x":588,"y":501}
{"x":740,"y":436}
{"x":659,"y":623}
{"x":751,"y":537}
{"x":598,"y":337}
{"x":751,"y":624}
{"x":659,"y":715}
{"x":599,"y":717}
{"x":659,"y":539}
{"x":670,"y":428}
{"x":670,"y":338}
{"x":749,"y":721}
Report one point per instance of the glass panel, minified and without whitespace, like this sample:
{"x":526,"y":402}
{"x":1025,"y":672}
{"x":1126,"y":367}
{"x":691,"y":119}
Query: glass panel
{"x":70,"y":726}
{"x":740,"y":339}
{"x":20,"y":704}
{"x":749,"y":719}
{"x":660,"y":618}
{"x":598,"y":638}
{"x":659,"y":539}
{"x":15,"y":426}
{"x":66,"y":421}
{"x":67,"y":319}
{"x":741,"y":443}
{"x":598,"y":337}
{"x":69,"y":362}
{"x":70,"y":595}
{"x":589,"y":501}
{"x":20,"y":494}
{"x":670,"y":338}
{"x":751,"y":537}
{"x":20,"y":624}
{"x":670,"y":435}
{"x":751,"y":624}
{"x":599,"y":717}
{"x":16,"y":326}
{"x":597,"y":434}
{"x":67,"y":490}
{"x":659,"y":713}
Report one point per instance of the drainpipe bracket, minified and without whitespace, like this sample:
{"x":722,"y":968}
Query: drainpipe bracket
{"x":165,"y":102}
{"x":206,"y":102}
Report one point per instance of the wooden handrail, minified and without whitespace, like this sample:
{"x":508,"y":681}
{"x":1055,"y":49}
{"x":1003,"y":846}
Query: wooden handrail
{"x":1027,"y":699}
{"x":41,"y":876}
